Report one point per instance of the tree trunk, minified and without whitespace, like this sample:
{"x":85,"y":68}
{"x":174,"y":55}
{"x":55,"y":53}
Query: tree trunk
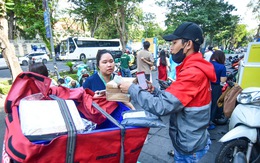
{"x":11,"y":26}
{"x":119,"y":21}
{"x":8,"y":51}
{"x":121,"y":26}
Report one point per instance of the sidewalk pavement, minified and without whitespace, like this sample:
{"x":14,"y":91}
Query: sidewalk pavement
{"x":159,"y":143}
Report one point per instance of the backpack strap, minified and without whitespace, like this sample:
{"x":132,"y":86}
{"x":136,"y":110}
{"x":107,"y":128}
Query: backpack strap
{"x":122,"y":128}
{"x":71,"y":141}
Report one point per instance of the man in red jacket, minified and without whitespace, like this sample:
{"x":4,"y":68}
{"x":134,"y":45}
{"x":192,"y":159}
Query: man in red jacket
{"x":187,"y":100}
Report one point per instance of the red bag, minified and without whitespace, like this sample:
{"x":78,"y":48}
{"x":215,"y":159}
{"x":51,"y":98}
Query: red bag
{"x":31,"y":83}
{"x":101,"y":145}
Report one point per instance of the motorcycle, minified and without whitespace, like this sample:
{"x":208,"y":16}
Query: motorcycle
{"x":133,"y":70}
{"x":117,"y":70}
{"x":82,"y":72}
{"x":65,"y":81}
{"x":243,"y":136}
{"x":232,"y":75}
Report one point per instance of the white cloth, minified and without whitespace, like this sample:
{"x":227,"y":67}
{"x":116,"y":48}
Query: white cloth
{"x":207,"y":55}
{"x":41,"y":117}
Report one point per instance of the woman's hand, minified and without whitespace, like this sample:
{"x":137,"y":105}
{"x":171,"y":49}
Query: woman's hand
{"x":130,"y":105}
{"x":100,"y":93}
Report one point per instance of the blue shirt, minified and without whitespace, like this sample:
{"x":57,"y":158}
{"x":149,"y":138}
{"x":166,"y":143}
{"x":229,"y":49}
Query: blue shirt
{"x":220,"y":70}
{"x":172,"y":73}
{"x":94,"y":83}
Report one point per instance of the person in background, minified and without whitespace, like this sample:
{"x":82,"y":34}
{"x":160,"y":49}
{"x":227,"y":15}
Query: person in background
{"x":69,"y":82}
{"x":187,"y":100}
{"x":145,"y":60}
{"x":163,"y":65}
{"x":132,"y":59}
{"x":218,"y":60}
{"x":134,"y":54}
{"x":124,"y":65}
{"x":208,"y":53}
{"x":40,"y":68}
{"x":105,"y":66}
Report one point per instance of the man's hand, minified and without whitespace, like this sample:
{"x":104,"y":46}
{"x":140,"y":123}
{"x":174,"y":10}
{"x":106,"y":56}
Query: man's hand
{"x":150,"y":86}
{"x":124,"y":86}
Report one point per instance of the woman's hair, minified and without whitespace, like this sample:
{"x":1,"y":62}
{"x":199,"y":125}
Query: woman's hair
{"x":100,"y":53}
{"x":163,"y":58}
{"x":218,"y":56}
{"x":39,"y":68}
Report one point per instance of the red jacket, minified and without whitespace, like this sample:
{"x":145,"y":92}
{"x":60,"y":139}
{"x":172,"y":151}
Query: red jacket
{"x":187,"y":100}
{"x":193,"y":78}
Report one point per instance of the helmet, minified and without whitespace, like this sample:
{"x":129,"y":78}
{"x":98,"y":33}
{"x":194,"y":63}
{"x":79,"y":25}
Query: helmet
{"x":127,"y":51}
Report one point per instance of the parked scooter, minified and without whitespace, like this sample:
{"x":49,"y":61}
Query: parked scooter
{"x":133,"y":70}
{"x":232,"y":75}
{"x":82,"y":72}
{"x":117,"y":71}
{"x":244,"y":130}
{"x":65,"y":81}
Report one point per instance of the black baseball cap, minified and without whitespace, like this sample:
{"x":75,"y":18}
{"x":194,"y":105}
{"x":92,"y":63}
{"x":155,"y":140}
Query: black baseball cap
{"x":187,"y":30}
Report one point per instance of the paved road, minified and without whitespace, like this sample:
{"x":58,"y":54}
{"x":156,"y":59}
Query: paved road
{"x":159,"y":143}
{"x":5,"y":73}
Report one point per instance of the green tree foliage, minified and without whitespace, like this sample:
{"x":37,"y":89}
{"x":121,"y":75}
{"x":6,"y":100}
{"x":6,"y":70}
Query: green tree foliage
{"x":29,"y":18}
{"x":255,"y":5}
{"x":240,"y":36}
{"x":9,"y":4}
{"x":136,"y":29}
{"x":107,"y":30}
{"x":213,"y":16}
{"x":235,"y":39}
{"x":94,"y":12}
{"x":109,"y":13}
{"x":70,"y":65}
{"x":2,"y":9}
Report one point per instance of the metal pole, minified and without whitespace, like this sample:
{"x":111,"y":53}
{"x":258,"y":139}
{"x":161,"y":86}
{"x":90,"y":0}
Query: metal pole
{"x":51,"y":37}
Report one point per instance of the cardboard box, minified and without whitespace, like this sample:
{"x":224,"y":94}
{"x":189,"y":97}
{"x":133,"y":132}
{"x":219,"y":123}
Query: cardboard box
{"x":113,"y":93}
